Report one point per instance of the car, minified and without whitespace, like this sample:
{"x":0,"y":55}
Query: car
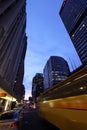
{"x":11,"y":120}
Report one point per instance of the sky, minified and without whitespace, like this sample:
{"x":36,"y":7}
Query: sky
{"x":46,"y":36}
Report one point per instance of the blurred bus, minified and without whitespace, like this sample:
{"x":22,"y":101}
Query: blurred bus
{"x":65,"y":104}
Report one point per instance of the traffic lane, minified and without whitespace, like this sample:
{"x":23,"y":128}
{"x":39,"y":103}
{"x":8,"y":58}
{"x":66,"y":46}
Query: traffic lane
{"x":33,"y":121}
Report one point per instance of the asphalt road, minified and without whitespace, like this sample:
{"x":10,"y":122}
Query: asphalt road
{"x":32,"y":121}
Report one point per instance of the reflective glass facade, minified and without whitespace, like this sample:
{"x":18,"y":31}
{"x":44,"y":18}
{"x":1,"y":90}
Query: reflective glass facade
{"x":74,"y":17}
{"x":55,"y":70}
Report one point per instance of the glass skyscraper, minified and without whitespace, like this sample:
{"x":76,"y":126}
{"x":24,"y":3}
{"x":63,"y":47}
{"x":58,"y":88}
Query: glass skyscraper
{"x":74,"y":16}
{"x":55,"y":71}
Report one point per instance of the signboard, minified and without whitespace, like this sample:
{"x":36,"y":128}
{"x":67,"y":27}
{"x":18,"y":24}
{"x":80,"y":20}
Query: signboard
{"x":3,"y":94}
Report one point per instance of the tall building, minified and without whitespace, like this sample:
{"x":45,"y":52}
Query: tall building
{"x":74,"y":16}
{"x":55,"y":71}
{"x":37,"y":85}
{"x":13,"y":43}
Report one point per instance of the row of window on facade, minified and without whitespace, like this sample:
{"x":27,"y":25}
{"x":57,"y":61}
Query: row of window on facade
{"x":55,"y":71}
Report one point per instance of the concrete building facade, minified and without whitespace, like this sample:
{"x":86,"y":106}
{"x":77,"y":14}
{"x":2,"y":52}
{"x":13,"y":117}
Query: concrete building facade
{"x":13,"y":42}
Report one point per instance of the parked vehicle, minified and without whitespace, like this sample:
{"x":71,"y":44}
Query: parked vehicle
{"x":11,"y":120}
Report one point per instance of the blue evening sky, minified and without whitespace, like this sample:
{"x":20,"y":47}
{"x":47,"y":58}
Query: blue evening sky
{"x":47,"y":37}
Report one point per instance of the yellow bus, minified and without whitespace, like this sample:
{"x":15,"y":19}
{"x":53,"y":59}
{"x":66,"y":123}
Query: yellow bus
{"x":65,"y":104}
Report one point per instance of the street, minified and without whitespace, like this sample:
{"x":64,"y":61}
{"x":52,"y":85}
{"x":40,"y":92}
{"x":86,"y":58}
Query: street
{"x":32,"y":121}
